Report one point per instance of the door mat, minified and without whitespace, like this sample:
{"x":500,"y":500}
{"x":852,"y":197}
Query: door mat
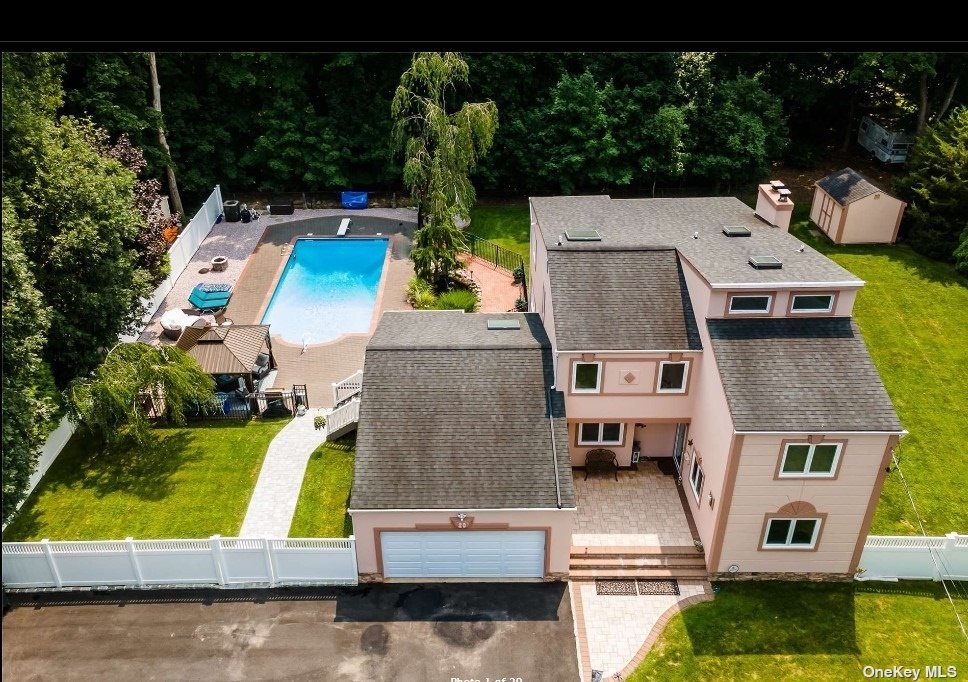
{"x":620,"y":587}
{"x":650,"y":587}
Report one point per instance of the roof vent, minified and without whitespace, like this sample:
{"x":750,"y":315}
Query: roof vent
{"x":784,"y":194}
{"x":777,"y":185}
{"x":736,"y":231}
{"x":583,"y":235}
{"x":766,"y":262}
{"x":503,"y":323}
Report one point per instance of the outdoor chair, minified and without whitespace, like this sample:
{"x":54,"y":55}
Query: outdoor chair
{"x":601,"y":460}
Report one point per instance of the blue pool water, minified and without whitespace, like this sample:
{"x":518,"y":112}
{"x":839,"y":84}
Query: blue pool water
{"x":328,"y":288}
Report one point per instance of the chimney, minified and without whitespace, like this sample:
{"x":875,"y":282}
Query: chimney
{"x":773,"y":204}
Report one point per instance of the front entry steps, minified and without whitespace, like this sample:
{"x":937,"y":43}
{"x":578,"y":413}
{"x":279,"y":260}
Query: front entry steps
{"x":590,"y":563}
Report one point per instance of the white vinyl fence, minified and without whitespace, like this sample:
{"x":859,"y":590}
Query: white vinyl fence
{"x":891,"y":557}
{"x":181,"y":252}
{"x":216,"y":562}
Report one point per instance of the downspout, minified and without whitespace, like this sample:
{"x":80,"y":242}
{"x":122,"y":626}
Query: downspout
{"x":554,"y":448}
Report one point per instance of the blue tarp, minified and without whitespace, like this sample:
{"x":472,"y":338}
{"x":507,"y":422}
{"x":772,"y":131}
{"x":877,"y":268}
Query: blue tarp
{"x":354,"y":199}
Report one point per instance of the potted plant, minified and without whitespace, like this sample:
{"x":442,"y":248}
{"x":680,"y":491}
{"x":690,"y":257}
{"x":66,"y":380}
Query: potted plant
{"x":518,"y":274}
{"x":319,"y":421}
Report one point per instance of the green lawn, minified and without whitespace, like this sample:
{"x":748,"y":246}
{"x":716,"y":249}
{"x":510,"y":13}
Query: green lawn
{"x":191,"y":483}
{"x":806,"y":631}
{"x":321,"y":511}
{"x":913,"y":312}
{"x":508,"y":226}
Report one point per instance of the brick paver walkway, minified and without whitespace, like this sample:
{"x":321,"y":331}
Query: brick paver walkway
{"x":498,"y":290}
{"x":642,"y":508}
{"x":276,"y":492}
{"x":615,"y":632}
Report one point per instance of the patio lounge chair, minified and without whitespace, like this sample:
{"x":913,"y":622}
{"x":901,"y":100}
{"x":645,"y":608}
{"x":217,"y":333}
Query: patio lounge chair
{"x":175,"y":320}
{"x":211,"y":298}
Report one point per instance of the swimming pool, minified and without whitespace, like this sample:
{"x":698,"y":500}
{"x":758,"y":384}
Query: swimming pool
{"x":328,"y":288}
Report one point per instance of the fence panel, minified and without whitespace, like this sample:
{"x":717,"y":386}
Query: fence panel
{"x":305,"y":560}
{"x":494,"y":254}
{"x":913,"y":557}
{"x":216,"y":561}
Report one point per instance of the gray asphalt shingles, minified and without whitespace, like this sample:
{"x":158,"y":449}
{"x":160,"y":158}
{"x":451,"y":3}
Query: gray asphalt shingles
{"x":454,"y":415}
{"x":621,"y":300}
{"x":673,"y":223}
{"x":802,"y":375}
{"x":846,"y":186}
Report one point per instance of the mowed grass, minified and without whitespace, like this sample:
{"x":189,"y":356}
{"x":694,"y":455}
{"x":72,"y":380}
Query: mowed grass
{"x":808,"y":631}
{"x":191,"y":482}
{"x":321,"y":511}
{"x":507,"y":225}
{"x":913,"y":313}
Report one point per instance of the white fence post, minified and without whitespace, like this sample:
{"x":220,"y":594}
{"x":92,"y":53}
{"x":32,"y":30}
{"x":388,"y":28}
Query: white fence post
{"x":356,"y":568}
{"x":218,"y":558}
{"x":270,"y":561}
{"x":51,"y":563}
{"x":135,"y":565}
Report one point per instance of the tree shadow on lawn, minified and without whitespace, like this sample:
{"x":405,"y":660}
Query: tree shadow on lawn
{"x":775,"y":618}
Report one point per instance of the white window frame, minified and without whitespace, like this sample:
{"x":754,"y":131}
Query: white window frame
{"x":601,"y":429}
{"x":769,"y":305}
{"x":574,"y":377}
{"x":693,"y":468}
{"x":793,"y":524}
{"x":793,"y":304}
{"x":806,"y":473}
{"x":685,"y":377}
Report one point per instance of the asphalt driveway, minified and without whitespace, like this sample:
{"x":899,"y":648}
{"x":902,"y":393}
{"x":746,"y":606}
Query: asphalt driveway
{"x":394,"y":633}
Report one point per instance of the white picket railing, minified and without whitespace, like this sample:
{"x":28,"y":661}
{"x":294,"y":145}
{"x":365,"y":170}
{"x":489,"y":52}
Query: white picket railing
{"x":343,"y":416}
{"x":215,"y":562}
{"x":180,"y":254}
{"x":348,"y":387}
{"x":901,"y":557}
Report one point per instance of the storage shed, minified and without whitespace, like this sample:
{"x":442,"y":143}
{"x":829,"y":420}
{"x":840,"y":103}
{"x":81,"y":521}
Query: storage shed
{"x":852,"y":210}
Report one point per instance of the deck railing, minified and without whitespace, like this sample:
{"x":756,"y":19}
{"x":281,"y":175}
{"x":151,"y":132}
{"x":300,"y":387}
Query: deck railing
{"x":347,"y":388}
{"x":343,"y":416}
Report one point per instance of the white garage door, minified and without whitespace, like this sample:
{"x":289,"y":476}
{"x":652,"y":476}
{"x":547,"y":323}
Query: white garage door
{"x":463,"y":554}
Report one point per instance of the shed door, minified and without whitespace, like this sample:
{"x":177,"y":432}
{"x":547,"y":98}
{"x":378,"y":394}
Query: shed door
{"x":463,"y":554}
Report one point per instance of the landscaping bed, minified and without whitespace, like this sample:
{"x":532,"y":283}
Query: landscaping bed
{"x":191,"y":482}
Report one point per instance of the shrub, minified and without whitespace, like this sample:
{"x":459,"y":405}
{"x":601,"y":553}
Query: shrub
{"x":518,"y":274}
{"x":521,"y":306}
{"x":458,"y":299}
{"x":420,"y":295}
{"x":961,"y":254}
{"x":319,"y":421}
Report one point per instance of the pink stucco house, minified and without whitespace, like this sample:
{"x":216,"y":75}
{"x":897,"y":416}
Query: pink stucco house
{"x":711,"y":353}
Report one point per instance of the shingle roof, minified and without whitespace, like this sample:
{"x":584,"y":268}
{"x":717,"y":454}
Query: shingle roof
{"x":846,"y":186}
{"x":672,"y":223}
{"x":620,"y":299}
{"x":455,"y":416}
{"x":806,"y":375}
{"x":225,"y":350}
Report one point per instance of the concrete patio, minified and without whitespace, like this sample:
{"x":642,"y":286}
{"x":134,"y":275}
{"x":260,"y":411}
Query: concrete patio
{"x":641,"y":509}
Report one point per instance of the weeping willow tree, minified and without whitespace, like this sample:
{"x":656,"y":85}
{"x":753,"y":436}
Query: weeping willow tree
{"x":440,"y":149}
{"x":112,"y":401}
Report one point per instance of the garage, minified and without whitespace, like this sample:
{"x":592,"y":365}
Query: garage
{"x":463,"y":554}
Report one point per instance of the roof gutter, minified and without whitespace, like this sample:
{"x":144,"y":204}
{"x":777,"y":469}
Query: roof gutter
{"x":554,"y":447}
{"x":854,"y":284}
{"x":466,"y":509}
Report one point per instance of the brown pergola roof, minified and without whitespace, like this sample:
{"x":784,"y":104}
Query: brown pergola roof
{"x":225,"y":350}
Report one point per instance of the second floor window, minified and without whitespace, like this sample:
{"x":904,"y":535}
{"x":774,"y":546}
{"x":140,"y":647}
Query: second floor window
{"x":812,"y":303}
{"x":672,"y":377}
{"x":749,"y":305}
{"x":587,"y":377}
{"x":600,"y":433}
{"x":805,"y":459}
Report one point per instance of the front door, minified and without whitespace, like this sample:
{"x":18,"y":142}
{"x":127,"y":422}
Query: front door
{"x":679,"y":447}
